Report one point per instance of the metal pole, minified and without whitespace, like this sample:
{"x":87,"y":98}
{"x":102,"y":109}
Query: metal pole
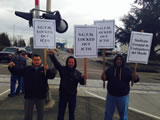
{"x":37,"y":7}
{"x":13,"y":34}
{"x":36,"y":15}
{"x":48,"y":7}
{"x":50,"y":100}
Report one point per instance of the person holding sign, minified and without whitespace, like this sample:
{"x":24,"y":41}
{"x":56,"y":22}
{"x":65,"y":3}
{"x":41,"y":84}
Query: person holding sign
{"x":118,"y":77}
{"x":70,"y":77}
{"x":35,"y":86}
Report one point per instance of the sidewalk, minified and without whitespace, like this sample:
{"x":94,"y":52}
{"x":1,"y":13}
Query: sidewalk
{"x":90,"y":102}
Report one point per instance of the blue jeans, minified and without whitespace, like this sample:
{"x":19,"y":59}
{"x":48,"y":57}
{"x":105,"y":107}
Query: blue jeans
{"x":121,"y":102}
{"x":63,"y":101}
{"x":13,"y":79}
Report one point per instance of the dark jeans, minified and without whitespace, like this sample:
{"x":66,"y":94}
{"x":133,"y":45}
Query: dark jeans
{"x":28,"y":108}
{"x":14,"y":78}
{"x":63,"y":100}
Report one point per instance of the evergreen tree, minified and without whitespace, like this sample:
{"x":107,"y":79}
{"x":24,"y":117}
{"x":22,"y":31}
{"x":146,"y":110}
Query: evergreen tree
{"x":144,"y":15}
{"x":4,"y":40}
{"x":15,"y":43}
{"x":21,"y":43}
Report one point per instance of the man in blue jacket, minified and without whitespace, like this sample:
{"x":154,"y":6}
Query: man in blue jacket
{"x":35,"y":86}
{"x":70,"y":77}
{"x":16,"y":73}
{"x":118,"y":86}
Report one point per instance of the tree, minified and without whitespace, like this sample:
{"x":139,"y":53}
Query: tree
{"x":4,"y":40}
{"x":21,"y":43}
{"x":144,"y":15}
{"x":15,"y":43}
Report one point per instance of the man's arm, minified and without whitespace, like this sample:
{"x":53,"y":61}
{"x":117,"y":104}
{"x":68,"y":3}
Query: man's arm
{"x":11,"y":67}
{"x":54,"y":60}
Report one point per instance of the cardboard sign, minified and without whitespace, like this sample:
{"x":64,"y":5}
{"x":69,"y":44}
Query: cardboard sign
{"x":85,"y":41}
{"x":105,"y":33}
{"x":139,"y":47}
{"x":44,"y":33}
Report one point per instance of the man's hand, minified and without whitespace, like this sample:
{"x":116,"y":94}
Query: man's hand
{"x":85,"y":76}
{"x":51,"y":52}
{"x":134,"y":76}
{"x":103,"y":76}
{"x":46,"y":67}
{"x":11,"y":64}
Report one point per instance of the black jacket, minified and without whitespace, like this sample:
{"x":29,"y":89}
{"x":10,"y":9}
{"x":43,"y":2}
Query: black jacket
{"x":36,"y":82}
{"x":119,"y":82}
{"x":69,"y":77}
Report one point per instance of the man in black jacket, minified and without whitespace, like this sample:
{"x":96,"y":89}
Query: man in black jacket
{"x":118,"y":77}
{"x":70,"y":77}
{"x":35,"y":86}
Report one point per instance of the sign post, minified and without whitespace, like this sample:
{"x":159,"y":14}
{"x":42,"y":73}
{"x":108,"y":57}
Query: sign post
{"x":106,"y":38}
{"x":44,"y":33}
{"x":85,"y":43}
{"x":139,"y":49}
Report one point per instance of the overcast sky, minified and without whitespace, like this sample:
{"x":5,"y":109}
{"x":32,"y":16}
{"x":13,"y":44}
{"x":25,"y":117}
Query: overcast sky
{"x":75,"y":12}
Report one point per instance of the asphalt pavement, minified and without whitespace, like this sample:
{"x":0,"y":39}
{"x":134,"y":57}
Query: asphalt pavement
{"x":144,"y":102}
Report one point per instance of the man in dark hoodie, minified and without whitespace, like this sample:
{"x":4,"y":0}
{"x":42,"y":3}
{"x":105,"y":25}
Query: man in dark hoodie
{"x":35,"y":86}
{"x":70,"y":77}
{"x":118,"y":86}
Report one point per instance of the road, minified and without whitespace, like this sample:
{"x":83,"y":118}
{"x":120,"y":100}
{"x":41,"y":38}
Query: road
{"x":144,"y":96}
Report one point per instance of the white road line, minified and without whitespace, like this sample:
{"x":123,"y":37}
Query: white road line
{"x":4,"y":92}
{"x":95,"y":95}
{"x":133,"y":109}
{"x":144,"y":113}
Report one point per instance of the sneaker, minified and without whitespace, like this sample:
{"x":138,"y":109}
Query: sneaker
{"x":10,"y":95}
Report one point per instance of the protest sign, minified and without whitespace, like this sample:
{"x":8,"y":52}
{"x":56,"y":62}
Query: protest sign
{"x":44,"y":33}
{"x":105,"y":33}
{"x":85,"y":41}
{"x":139,"y":47}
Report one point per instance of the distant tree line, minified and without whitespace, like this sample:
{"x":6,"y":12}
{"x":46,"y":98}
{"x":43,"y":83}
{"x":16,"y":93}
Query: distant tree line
{"x":6,"y":42}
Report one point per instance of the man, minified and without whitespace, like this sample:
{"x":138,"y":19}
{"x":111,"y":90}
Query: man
{"x":35,"y":86}
{"x":118,"y":77}
{"x":70,"y":77}
{"x":16,"y":73}
{"x":28,"y":60}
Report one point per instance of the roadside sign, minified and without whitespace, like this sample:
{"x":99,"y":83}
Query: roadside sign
{"x":44,"y":33}
{"x":85,"y":41}
{"x":105,"y":34}
{"x":139,"y":47}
